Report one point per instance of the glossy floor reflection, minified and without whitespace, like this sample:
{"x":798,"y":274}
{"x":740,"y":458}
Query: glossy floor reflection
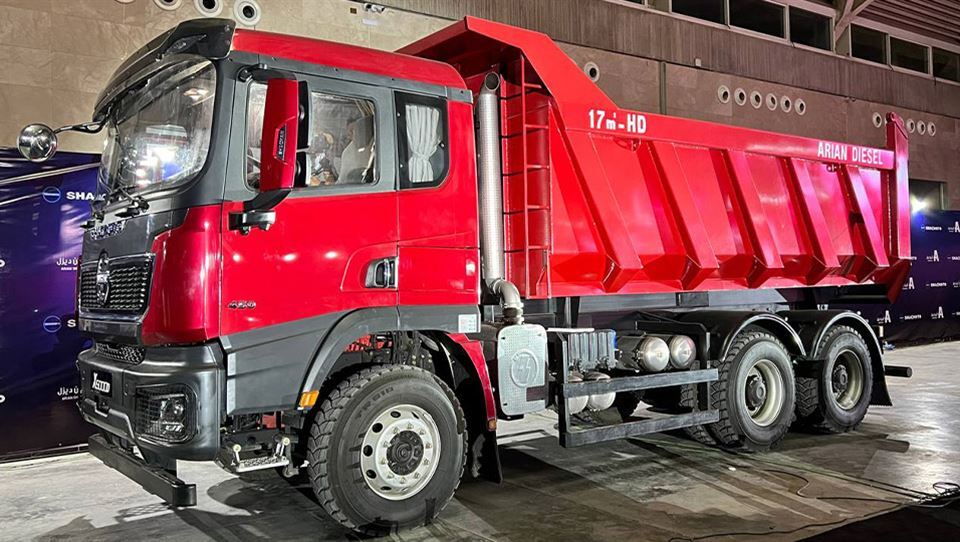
{"x":660,"y":488}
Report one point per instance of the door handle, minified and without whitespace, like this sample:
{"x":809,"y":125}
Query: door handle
{"x":382,"y":273}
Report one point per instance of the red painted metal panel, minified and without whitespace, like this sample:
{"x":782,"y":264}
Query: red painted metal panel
{"x":313,"y":260}
{"x":648,"y":203}
{"x":474,"y":349}
{"x":439,"y":259}
{"x":184,"y":290}
{"x":702,"y":260}
{"x":824,"y":255}
{"x":347,"y":57}
{"x":278,"y":157}
{"x":754,"y":220}
{"x":866,"y":218}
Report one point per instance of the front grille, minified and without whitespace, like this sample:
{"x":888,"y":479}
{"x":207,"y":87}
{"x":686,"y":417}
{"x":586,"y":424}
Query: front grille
{"x":121,"y":352}
{"x":149,"y":410}
{"x":128,"y":283}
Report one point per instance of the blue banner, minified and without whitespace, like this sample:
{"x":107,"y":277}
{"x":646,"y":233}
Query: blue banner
{"x":928,"y":308}
{"x":42,"y":209}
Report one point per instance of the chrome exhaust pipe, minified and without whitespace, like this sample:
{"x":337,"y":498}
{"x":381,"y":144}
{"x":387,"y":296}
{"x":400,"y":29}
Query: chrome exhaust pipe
{"x":491,"y":201}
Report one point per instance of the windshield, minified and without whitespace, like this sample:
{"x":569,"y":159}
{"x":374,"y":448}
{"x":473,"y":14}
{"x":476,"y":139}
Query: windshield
{"x":158,"y":135}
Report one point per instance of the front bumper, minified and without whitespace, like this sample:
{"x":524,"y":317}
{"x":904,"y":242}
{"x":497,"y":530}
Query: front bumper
{"x":196,"y":370}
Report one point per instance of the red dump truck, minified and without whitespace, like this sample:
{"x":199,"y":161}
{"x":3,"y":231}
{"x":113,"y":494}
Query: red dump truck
{"x":351,"y":264}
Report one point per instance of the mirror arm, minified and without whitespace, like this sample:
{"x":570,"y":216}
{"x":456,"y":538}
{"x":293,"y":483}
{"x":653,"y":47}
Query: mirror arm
{"x":258,"y":212}
{"x":84,"y":127}
{"x":265,"y":201}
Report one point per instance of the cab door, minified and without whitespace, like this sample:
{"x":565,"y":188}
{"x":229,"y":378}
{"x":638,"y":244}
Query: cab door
{"x":333,"y":245}
{"x":439,"y":261}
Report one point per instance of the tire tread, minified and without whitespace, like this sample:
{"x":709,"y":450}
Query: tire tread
{"x":321,"y":437}
{"x":810,"y":413}
{"x":723,"y":431}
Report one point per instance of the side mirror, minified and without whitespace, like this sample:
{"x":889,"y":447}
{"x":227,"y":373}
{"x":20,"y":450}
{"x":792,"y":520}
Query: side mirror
{"x":37,"y":142}
{"x":278,"y":156}
{"x":278,"y":152}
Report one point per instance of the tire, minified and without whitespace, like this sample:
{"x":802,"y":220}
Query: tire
{"x":424,"y":415}
{"x":699,"y":433}
{"x":755,"y":357}
{"x":818,"y":405}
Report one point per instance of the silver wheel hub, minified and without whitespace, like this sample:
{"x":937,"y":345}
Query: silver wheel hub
{"x":764,"y":391}
{"x":399,"y":453}
{"x":846,"y":379}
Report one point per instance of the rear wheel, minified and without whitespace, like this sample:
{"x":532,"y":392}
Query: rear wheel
{"x":755,"y":394}
{"x":837,"y":399}
{"x":688,"y":399}
{"x":387,"y":449}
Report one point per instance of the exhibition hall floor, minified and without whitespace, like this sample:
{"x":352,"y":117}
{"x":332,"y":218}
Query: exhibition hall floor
{"x":658,"y":488}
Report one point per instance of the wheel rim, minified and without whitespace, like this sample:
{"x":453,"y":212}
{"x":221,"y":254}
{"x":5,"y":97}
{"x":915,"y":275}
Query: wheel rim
{"x":846,"y":379}
{"x":763,"y":392}
{"x":399,"y":454}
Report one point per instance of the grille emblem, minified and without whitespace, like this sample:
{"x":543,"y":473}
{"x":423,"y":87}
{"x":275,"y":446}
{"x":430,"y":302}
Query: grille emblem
{"x":103,"y":279}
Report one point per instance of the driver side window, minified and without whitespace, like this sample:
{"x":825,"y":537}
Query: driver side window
{"x":342,"y":147}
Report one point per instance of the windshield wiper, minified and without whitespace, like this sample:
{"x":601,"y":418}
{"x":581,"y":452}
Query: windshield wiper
{"x":137,"y":203}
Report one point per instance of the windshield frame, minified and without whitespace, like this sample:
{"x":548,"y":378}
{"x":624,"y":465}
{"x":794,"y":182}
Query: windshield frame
{"x":110,"y":197}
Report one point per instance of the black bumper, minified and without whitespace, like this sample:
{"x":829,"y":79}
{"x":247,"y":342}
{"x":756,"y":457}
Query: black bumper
{"x":198,"y":369}
{"x":160,"y":482}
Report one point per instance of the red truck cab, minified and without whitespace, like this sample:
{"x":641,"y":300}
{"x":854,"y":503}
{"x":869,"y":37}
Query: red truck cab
{"x":316,"y":257}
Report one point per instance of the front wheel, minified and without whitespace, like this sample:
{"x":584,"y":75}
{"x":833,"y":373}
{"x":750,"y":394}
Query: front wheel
{"x":387,"y":449}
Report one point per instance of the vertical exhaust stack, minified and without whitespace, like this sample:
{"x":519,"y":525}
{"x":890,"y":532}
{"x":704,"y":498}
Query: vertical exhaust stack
{"x":491,"y":201}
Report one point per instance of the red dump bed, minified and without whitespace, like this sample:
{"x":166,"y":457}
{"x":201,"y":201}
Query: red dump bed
{"x":602,"y":200}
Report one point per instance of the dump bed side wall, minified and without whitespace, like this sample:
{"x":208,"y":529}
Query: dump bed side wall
{"x":602,"y":200}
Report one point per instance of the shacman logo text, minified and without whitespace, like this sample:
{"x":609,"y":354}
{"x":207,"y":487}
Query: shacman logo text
{"x":52,"y":194}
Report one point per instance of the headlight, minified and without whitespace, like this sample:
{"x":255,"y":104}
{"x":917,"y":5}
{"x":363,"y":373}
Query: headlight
{"x":165,"y":413}
{"x":682,"y":351}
